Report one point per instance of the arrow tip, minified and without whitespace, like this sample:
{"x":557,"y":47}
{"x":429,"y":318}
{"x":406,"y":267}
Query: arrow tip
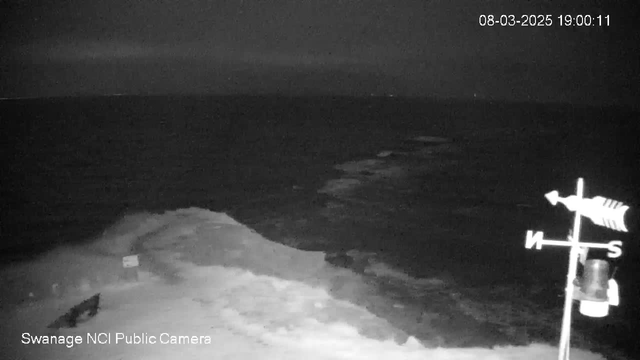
{"x":553,"y":197}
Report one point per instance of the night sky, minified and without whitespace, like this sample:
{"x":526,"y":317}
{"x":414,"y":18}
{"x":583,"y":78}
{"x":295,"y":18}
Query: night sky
{"x":340,"y":47}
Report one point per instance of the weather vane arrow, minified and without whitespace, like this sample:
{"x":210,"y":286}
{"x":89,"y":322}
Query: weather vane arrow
{"x":602,"y":211}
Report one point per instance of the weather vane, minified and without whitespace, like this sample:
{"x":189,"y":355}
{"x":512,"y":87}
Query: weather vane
{"x":596,"y":290}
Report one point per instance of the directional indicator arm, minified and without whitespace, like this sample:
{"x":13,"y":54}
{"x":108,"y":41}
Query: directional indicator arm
{"x":534,"y":239}
{"x":537,"y":239}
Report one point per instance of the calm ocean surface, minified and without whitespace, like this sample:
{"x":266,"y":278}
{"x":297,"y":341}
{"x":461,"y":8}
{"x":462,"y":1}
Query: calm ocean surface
{"x":76,"y":165}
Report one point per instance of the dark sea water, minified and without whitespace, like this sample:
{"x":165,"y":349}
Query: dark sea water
{"x":73,"y":166}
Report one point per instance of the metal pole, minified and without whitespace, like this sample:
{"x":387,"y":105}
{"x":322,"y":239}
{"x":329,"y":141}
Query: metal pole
{"x":565,"y":335}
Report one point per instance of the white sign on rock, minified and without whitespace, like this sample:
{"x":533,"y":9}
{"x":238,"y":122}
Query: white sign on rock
{"x":130,"y":261}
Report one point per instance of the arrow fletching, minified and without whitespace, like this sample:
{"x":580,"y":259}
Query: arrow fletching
{"x":608,"y":213}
